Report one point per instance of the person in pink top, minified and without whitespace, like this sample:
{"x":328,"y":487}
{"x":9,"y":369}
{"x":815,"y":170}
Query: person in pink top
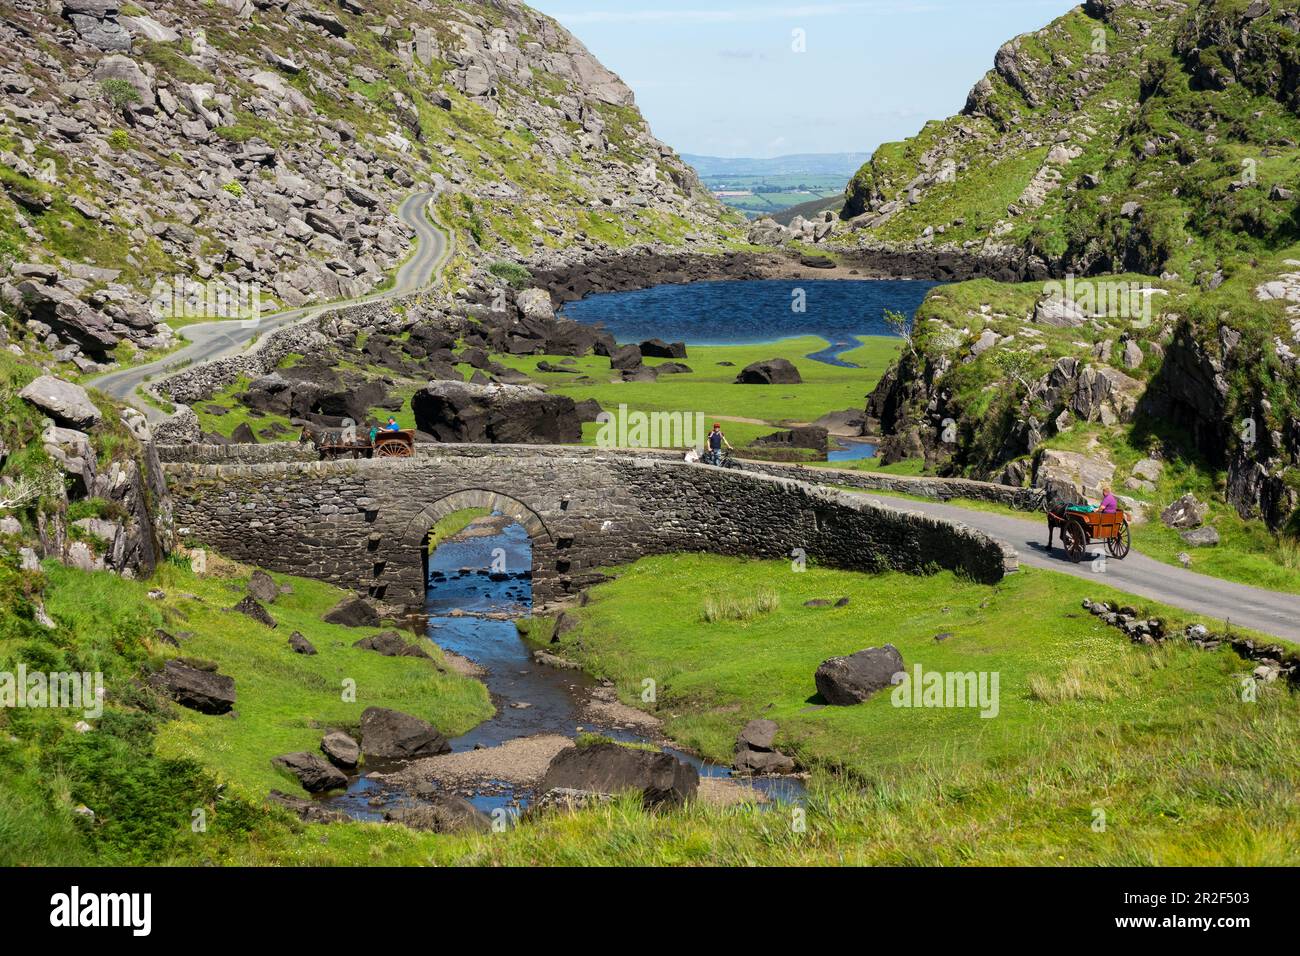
{"x":1108,"y":503}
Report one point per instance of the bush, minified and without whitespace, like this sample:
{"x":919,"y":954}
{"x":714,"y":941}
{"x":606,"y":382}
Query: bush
{"x":235,"y":188}
{"x":512,"y":274}
{"x":120,"y":93}
{"x":119,"y":140}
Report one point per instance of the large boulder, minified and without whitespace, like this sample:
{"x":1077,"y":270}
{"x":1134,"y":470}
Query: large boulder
{"x":441,"y":813}
{"x":198,"y":689}
{"x":611,"y":768}
{"x":353,"y":612}
{"x":390,"y":644}
{"x":262,"y":587}
{"x":658,"y":348}
{"x":535,"y":304}
{"x":1185,"y":513}
{"x":96,"y":22}
{"x":341,"y":749}
{"x":1059,"y":312}
{"x":812,"y":437}
{"x":315,"y":774}
{"x":68,"y":404}
{"x":1072,"y":475}
{"x":626,"y":358}
{"x":844,"y":681}
{"x":496,"y":414}
{"x":777,"y":371}
{"x":393,"y":735}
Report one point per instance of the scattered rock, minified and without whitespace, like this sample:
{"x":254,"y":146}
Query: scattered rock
{"x":300,"y":645}
{"x":777,"y":371}
{"x":390,"y":644}
{"x":315,"y":774}
{"x":394,"y":735}
{"x":442,"y":813}
{"x":341,"y":749}
{"x":1205,"y":537}
{"x":262,"y":588}
{"x":754,"y":751}
{"x":309,"y":811}
{"x":251,"y":608}
{"x":844,"y":681}
{"x":611,"y":768}
{"x":353,"y":612}
{"x":203,"y":690}
{"x":1186,"y":512}
{"x":497,"y":414}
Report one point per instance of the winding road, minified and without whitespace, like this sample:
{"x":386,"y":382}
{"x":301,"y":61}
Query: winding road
{"x":214,"y":340}
{"x":1271,"y":612}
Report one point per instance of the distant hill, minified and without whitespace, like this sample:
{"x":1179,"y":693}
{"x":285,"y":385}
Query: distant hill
{"x":823,"y":164}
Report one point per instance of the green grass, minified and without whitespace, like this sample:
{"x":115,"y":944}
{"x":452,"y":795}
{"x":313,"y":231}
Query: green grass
{"x":1083,"y":713}
{"x":1084,"y":718}
{"x":710,"y":388}
{"x":285,"y":700}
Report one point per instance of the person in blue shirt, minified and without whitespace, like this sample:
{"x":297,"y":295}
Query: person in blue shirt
{"x":392,"y":425}
{"x":715,"y":442}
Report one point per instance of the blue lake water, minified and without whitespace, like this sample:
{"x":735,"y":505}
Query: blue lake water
{"x":750,"y":312}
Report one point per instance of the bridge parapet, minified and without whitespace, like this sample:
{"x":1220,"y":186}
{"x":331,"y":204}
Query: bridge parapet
{"x":361,"y":524}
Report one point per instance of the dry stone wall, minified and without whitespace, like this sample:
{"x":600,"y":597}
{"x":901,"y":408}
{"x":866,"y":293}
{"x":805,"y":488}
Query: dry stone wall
{"x":362,"y":524}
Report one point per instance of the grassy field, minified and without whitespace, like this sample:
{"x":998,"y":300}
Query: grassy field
{"x":1083,"y":717}
{"x":710,"y":387}
{"x":1083,"y":713}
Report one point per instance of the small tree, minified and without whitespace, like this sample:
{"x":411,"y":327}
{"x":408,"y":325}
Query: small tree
{"x":903,"y":327}
{"x":120,"y":93}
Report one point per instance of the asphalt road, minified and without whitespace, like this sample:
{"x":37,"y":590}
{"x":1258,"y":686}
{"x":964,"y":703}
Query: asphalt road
{"x":214,"y":340}
{"x":1270,"y":612}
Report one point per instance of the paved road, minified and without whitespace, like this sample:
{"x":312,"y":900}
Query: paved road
{"x":1271,"y":612}
{"x":213,"y":340}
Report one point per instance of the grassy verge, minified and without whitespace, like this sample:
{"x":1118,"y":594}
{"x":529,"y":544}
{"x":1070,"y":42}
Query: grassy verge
{"x":1082,"y":716}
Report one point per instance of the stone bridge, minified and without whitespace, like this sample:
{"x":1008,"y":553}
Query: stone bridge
{"x":365,"y":524}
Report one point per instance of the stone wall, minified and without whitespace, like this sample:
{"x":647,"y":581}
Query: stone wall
{"x":201,"y":381}
{"x":941,"y":489}
{"x":362,"y":524}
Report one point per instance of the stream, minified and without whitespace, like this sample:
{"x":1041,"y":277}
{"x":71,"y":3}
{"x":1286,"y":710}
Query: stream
{"x":531,"y":699}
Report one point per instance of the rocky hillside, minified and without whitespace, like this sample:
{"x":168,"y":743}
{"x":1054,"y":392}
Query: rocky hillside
{"x":1148,"y":145}
{"x":151,"y":150}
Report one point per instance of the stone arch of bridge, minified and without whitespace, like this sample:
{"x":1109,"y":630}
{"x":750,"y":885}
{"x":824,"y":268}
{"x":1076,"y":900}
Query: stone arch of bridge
{"x":415,"y":538}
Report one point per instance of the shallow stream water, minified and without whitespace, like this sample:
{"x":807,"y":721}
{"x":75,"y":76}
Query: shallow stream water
{"x":479,"y":574}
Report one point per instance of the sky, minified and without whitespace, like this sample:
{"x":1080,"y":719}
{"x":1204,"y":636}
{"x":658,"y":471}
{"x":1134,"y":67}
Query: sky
{"x":724,"y":78}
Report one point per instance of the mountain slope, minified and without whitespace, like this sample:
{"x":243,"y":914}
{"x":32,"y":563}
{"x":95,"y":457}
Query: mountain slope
{"x":1149,"y":141}
{"x":152,"y":148}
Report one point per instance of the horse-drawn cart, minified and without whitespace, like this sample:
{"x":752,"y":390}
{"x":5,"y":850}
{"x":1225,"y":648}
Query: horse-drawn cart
{"x":394,"y":444}
{"x":1080,"y":527}
{"x":344,"y":443}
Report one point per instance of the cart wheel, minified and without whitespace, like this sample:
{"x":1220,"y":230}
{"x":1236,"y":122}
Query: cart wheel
{"x":1074,"y":536}
{"x":1119,"y":545}
{"x":390,"y":449}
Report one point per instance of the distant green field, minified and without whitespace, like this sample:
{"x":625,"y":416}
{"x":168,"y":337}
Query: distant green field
{"x":771,"y":194}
